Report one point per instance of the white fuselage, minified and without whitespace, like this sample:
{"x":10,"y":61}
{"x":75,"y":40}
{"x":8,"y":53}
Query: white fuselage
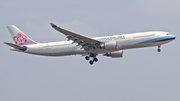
{"x":124,"y":41}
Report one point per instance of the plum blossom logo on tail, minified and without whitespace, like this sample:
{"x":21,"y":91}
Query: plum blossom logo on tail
{"x":20,"y":39}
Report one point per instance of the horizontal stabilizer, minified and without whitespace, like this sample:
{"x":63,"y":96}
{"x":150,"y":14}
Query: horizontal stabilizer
{"x":16,"y":46}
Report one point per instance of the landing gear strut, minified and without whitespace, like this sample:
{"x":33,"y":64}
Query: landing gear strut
{"x":94,"y":59}
{"x":159,"y":50}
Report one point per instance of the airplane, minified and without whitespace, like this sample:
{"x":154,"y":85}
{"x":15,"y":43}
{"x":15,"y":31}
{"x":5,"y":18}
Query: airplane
{"x":76,"y":44}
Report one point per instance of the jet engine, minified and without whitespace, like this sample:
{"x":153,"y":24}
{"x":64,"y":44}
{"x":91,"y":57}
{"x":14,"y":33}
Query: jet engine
{"x":111,"y":45}
{"x":116,"y":54}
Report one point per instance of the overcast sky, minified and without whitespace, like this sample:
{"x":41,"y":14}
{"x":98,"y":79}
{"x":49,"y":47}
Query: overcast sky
{"x":141,"y":75}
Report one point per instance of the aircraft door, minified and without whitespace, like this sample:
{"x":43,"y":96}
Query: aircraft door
{"x":127,"y":37}
{"x":156,"y":37}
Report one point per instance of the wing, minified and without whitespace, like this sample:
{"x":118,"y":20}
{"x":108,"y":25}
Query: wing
{"x":84,"y":41}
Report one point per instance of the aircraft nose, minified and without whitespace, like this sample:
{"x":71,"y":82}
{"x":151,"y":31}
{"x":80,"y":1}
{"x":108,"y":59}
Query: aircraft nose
{"x":173,"y":37}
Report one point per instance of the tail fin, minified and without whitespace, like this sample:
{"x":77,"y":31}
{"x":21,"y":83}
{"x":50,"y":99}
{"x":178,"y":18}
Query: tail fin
{"x":19,"y":37}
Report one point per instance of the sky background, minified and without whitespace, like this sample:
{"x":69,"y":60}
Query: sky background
{"x":141,"y":75}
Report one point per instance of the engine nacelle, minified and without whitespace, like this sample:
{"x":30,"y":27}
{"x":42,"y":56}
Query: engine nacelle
{"x":116,"y":54}
{"x":109,"y":45}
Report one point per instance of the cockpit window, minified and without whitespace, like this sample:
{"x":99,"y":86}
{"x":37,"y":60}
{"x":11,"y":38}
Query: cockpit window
{"x":168,"y":34}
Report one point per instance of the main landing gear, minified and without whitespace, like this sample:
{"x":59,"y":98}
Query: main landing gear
{"x":159,"y":50}
{"x":94,"y":59}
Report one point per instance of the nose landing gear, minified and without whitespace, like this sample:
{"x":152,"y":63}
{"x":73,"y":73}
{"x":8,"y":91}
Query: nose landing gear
{"x":159,"y":50}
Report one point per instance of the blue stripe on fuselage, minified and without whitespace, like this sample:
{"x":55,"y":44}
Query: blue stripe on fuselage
{"x":165,"y":38}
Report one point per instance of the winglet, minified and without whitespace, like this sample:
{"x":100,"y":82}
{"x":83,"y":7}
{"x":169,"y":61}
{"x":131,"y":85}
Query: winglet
{"x":53,"y":25}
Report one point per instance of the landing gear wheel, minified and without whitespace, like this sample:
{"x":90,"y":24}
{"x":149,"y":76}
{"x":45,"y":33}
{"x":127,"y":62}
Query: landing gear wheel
{"x":159,"y":50}
{"x":95,"y":60}
{"x":91,"y":62}
{"x":87,"y":57}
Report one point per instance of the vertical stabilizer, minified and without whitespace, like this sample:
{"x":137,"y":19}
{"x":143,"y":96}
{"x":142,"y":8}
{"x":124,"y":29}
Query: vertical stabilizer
{"x":19,"y":37}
